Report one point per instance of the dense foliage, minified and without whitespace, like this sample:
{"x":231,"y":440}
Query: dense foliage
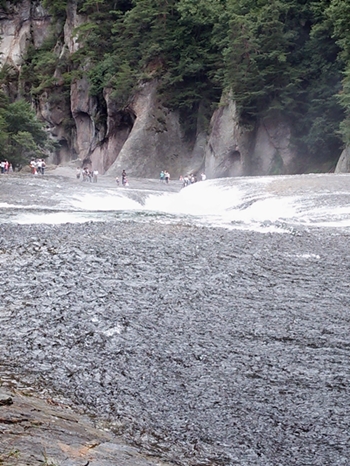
{"x":286,"y":56}
{"x":21,"y":135}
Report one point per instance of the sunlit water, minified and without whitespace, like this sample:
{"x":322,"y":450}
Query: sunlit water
{"x":259,"y":203}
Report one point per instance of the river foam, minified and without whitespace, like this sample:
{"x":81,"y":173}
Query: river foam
{"x":264,"y":204}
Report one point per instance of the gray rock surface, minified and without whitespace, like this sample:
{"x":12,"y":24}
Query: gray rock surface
{"x":36,"y":431}
{"x":21,"y":23}
{"x":156,"y":141}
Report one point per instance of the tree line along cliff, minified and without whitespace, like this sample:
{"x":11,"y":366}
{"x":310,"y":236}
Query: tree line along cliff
{"x":230,"y":86}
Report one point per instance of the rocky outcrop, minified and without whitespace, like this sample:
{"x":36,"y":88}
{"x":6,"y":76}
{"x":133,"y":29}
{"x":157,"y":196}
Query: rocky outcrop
{"x":84,"y":109}
{"x":343,"y":165}
{"x":156,"y":140}
{"x":233,"y":150}
{"x":272,"y":153}
{"x":21,"y":23}
{"x":46,"y":431}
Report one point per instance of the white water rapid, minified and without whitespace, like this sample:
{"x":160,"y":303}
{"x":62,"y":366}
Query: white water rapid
{"x":263,"y":204}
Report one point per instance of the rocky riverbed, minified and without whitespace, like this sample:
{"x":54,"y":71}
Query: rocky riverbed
{"x":202,"y":346}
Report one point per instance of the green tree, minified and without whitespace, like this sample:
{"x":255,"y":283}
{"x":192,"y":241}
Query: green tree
{"x":280,"y":56}
{"x":338,"y":14}
{"x":22,"y":135}
{"x":56,"y":7}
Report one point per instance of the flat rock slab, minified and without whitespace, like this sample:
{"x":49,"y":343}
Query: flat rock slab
{"x":36,"y":432}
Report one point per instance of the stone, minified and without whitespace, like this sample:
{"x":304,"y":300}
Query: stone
{"x":39,"y":431}
{"x":5,"y":399}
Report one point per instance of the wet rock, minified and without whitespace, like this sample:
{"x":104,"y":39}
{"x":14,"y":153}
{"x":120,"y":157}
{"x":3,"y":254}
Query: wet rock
{"x":35,"y":431}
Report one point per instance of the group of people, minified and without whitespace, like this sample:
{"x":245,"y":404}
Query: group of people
{"x":185,"y":180}
{"x":86,"y":174}
{"x":91,"y":175}
{"x":5,"y":166}
{"x":37,"y":166}
{"x":190,"y":179}
{"x":164,"y":176}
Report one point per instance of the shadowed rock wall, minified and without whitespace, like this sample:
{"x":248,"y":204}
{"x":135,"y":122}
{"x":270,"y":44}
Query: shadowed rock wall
{"x":233,"y":150}
{"x":146,"y":137}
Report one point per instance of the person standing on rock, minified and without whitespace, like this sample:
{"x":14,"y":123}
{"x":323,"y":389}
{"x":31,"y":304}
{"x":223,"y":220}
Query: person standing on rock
{"x":33,"y":167}
{"x":166,"y":176}
{"x":124,"y":178}
{"x":39,"y":165}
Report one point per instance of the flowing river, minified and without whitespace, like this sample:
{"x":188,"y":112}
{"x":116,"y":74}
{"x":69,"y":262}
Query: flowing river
{"x":207,"y":325}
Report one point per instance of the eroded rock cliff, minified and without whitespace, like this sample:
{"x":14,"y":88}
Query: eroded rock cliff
{"x":233,"y":150}
{"x":156,"y":141}
{"x":21,"y":24}
{"x":145,"y":137}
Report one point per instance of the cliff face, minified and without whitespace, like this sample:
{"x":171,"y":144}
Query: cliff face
{"x":343,"y":165}
{"x":155,"y":141}
{"x":22,"y":24}
{"x":233,"y":150}
{"x":146,"y":137}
